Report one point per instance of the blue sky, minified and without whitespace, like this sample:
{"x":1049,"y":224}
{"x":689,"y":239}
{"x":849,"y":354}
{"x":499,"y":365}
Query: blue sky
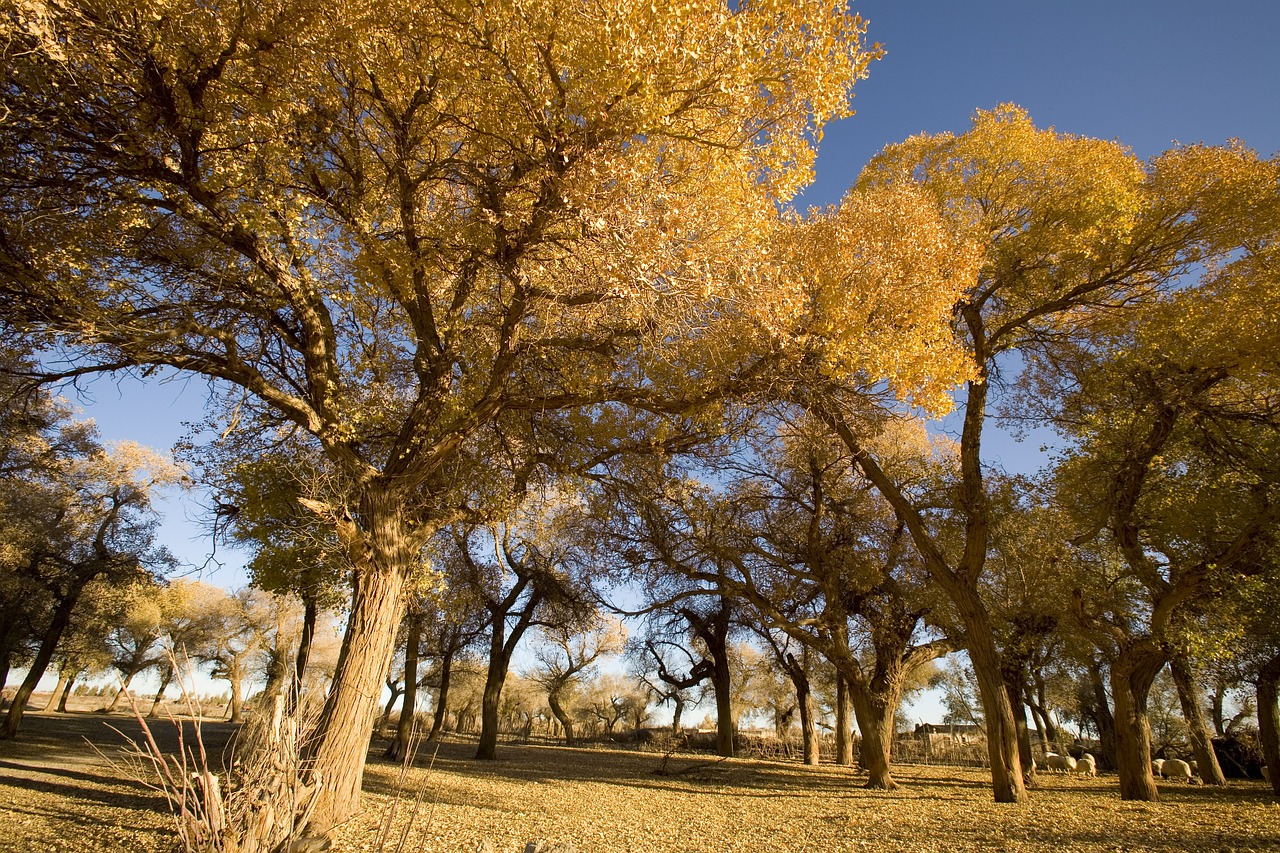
{"x":1146,"y":73}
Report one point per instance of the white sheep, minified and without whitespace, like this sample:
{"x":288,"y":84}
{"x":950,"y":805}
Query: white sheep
{"x":1059,"y":763}
{"x":1156,"y":767}
{"x":1176,"y":768}
{"x":1087,"y":765}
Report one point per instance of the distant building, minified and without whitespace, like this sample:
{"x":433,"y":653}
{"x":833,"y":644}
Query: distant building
{"x":939,"y":733}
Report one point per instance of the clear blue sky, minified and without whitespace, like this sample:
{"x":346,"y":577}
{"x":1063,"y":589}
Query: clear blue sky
{"x":1146,"y":73}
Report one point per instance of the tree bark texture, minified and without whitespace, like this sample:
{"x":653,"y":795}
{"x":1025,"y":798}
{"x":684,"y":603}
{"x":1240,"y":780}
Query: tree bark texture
{"x":844,"y":738}
{"x":66,"y":694}
{"x":553,"y":699}
{"x":336,"y":753}
{"x":57,"y":691}
{"x":1103,"y":719}
{"x":875,"y":722}
{"x":1131,"y":677}
{"x":1002,"y":733}
{"x":1189,"y":697}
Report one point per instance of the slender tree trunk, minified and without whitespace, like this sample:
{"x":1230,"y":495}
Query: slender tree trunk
{"x":808,"y":728}
{"x":875,"y":723}
{"x":677,"y":712}
{"x":399,"y":746}
{"x":66,"y":692}
{"x":395,"y":691}
{"x":1026,"y":758}
{"x":57,"y":691}
{"x":165,"y":678}
{"x":442,"y":695}
{"x":1219,"y":707}
{"x":499,"y":661}
{"x":1131,"y":678}
{"x":1184,"y":679}
{"x":310,"y":612}
{"x":237,"y":699}
{"x":1268,"y":687}
{"x":122,"y":692}
{"x":844,"y":739}
{"x":1103,"y":718}
{"x":48,"y":645}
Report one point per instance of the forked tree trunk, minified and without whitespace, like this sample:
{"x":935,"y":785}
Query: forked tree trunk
{"x":875,"y":723}
{"x":1131,"y":677}
{"x":844,"y":738}
{"x":1184,"y":680}
{"x":1268,"y":687}
{"x":63,"y":679}
{"x":66,"y":693}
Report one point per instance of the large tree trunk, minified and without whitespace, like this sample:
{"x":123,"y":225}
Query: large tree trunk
{"x":48,"y":645}
{"x":721,"y":683}
{"x":1131,"y":677}
{"x":844,"y":738}
{"x":339,"y":748}
{"x":1198,"y":727}
{"x":1268,"y":687}
{"x":875,"y":723}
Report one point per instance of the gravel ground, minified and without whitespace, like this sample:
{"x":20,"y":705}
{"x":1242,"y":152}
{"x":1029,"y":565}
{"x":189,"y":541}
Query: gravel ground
{"x":57,"y":793}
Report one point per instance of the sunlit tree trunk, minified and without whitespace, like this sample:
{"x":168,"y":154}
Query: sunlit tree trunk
{"x":875,"y":723}
{"x":66,"y":693}
{"x":63,"y":681}
{"x":336,"y":755}
{"x":1197,"y":726}
{"x":566,"y":724}
{"x":1131,"y":677}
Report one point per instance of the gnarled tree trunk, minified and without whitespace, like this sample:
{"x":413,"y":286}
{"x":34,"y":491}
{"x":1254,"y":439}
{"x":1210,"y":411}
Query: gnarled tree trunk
{"x":1131,"y":677}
